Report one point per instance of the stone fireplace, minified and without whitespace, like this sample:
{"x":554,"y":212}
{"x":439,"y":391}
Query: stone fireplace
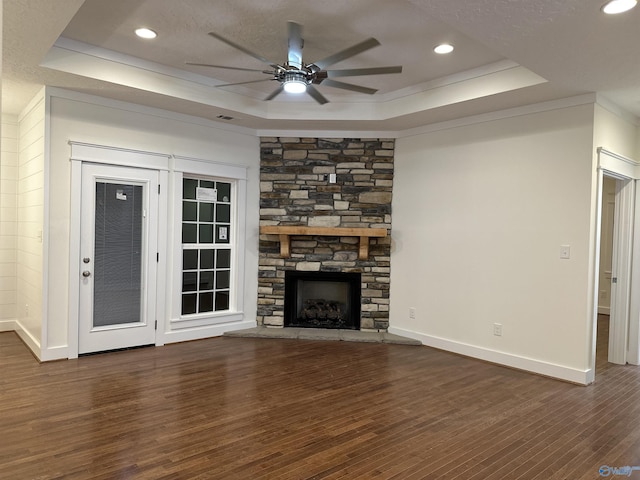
{"x":331,"y":197}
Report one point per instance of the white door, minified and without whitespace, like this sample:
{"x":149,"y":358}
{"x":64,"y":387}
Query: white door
{"x":118,"y":250}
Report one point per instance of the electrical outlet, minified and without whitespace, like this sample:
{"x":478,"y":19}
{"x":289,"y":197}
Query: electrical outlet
{"x":412,"y":312}
{"x":497,"y":329}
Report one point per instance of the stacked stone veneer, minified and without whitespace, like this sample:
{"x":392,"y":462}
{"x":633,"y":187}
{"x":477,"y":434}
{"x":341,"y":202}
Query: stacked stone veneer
{"x":295,"y":190}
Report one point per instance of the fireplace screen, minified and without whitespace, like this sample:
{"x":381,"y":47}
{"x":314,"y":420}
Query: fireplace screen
{"x":322,"y":300}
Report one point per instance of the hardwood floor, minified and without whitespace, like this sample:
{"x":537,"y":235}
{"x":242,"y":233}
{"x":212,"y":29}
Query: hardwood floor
{"x":241,"y":408}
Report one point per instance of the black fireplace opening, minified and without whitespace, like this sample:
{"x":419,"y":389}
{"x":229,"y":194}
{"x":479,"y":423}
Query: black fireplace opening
{"x":322,"y":300}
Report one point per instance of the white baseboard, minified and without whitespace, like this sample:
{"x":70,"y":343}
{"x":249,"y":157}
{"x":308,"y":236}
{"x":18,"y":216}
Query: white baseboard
{"x":185,"y":335}
{"x":55,"y":353}
{"x":7,"y":325}
{"x":30,"y":341}
{"x":582,"y":377}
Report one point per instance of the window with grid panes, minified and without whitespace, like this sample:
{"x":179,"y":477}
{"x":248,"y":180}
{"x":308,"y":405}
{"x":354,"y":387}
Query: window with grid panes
{"x":206,"y":245}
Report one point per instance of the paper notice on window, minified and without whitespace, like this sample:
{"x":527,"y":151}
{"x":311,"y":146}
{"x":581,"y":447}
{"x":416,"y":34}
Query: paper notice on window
{"x":120,"y":195}
{"x":223,"y":233}
{"x":207,"y":194}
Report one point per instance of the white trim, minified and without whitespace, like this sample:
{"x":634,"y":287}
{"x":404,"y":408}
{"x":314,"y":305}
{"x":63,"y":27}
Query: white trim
{"x":328,"y":133}
{"x":8,"y":325}
{"x":617,"y":166}
{"x":206,"y":331}
{"x":109,"y":155}
{"x":633,"y":349}
{"x":199,"y":166}
{"x":74,"y":252}
{"x":561,"y":372}
{"x":162,"y":270}
{"x":621,"y":266}
{"x":29,"y":340}
{"x":55,"y":353}
{"x":203,"y":320}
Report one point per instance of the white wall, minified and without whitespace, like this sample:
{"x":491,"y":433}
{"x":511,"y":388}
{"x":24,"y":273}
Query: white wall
{"x":30,"y":196}
{"x":8,"y":220}
{"x":90,"y":119}
{"x":615,"y":132}
{"x":480,"y":212}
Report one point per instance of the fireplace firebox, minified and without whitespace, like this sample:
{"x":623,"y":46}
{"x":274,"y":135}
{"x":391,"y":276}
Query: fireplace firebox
{"x":322,"y":300}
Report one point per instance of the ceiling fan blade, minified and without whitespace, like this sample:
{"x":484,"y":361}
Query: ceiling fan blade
{"x":316,"y":95}
{"x":352,"y":72}
{"x":346,"y":53}
{"x":223,"y":66}
{"x":347,"y":86}
{"x":244,"y":83}
{"x":295,"y":45}
{"x":242,"y":49}
{"x":275,"y":93}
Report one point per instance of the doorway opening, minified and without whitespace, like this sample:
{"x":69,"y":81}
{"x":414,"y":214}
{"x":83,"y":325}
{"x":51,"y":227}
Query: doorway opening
{"x":624,"y":310}
{"x":608,"y":204}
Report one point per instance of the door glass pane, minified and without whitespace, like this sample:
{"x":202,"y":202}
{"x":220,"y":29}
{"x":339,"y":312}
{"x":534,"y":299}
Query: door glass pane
{"x":118,"y":254}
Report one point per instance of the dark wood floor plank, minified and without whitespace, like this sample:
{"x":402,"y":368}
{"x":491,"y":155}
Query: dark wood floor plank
{"x":227,"y":408}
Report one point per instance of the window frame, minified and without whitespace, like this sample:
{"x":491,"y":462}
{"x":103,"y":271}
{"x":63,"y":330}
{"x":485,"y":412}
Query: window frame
{"x":236,"y":176}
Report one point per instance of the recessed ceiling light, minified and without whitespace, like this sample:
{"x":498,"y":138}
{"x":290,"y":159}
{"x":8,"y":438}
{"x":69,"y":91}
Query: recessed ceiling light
{"x":443,"y":49}
{"x":618,"y":6}
{"x":146,"y":33}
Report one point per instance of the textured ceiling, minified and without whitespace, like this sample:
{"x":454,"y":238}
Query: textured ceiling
{"x":508,"y":53}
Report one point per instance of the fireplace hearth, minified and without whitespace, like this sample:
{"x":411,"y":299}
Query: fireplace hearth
{"x":322,"y":300}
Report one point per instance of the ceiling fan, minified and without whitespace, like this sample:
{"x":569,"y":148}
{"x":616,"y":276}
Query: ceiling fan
{"x":295,"y":76}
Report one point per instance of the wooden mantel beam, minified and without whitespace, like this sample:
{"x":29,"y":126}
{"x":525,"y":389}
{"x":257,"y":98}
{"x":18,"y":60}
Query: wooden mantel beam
{"x":286,"y":231}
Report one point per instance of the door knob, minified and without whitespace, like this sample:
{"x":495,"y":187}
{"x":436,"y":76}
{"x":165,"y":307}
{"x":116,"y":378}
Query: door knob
{"x":86,"y":273}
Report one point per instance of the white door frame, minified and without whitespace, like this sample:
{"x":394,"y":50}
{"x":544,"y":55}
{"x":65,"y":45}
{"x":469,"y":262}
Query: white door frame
{"x":624,"y":341}
{"x":621,"y":271}
{"x":84,"y":152}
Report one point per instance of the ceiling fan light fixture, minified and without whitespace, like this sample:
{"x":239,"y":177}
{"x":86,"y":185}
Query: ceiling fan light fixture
{"x":294,"y":83}
{"x":146,"y":33}
{"x":618,"y":6}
